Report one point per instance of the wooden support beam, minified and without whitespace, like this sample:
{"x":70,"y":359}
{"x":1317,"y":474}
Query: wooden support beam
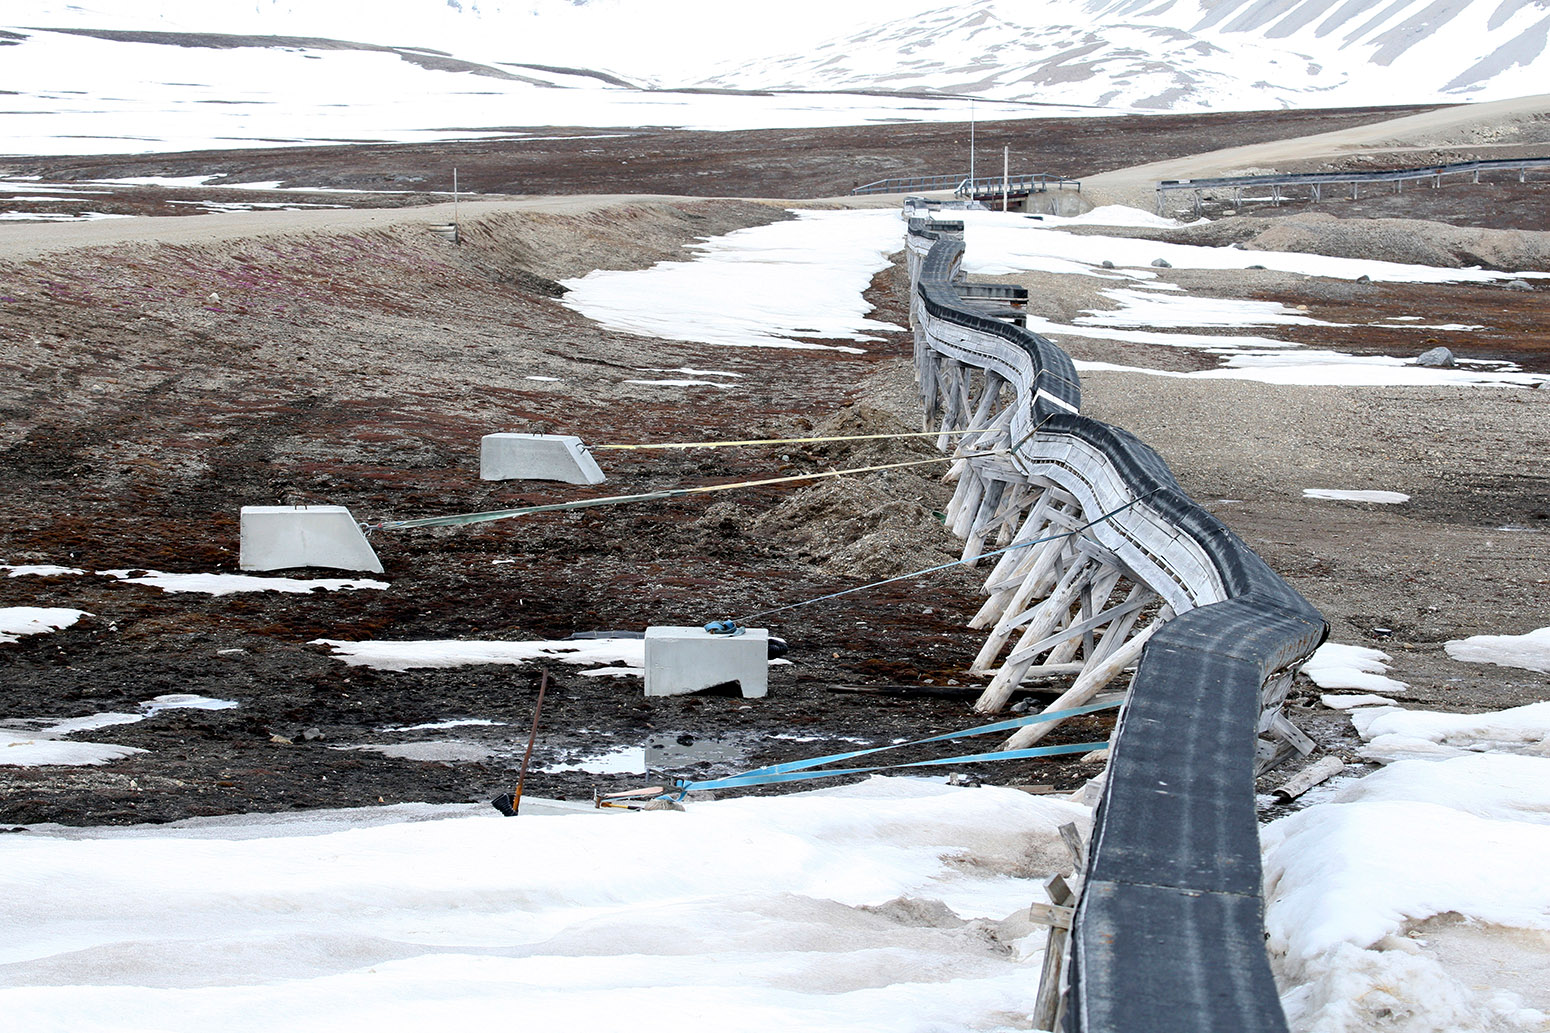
{"x":1050,"y":1002}
{"x":979,"y":526}
{"x":1081,"y":629}
{"x":1074,"y":845}
{"x":966,"y":502}
{"x":1282,"y":725}
{"x":1042,"y":574}
{"x":1042,"y":619}
{"x":1087,"y":684}
{"x":1043,"y":578}
{"x":1050,"y":914}
{"x":1032,"y":528}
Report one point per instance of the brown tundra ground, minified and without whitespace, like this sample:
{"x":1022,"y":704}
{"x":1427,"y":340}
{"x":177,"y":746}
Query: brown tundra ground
{"x":158,"y":375}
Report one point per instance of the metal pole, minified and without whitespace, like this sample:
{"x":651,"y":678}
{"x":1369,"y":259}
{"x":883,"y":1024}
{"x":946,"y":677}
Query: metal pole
{"x":971,"y":148}
{"x":457,"y":234}
{"x":1006,"y":168}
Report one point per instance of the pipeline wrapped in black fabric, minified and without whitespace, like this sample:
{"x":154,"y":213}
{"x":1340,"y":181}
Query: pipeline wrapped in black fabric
{"x":1168,"y":933}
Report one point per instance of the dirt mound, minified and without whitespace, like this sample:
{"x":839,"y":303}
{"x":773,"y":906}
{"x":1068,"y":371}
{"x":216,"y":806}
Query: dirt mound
{"x":555,"y":246}
{"x":1413,"y":241}
{"x":850,"y":529}
{"x":864,"y":526}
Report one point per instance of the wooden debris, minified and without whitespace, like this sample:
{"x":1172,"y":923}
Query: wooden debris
{"x":1310,"y":776}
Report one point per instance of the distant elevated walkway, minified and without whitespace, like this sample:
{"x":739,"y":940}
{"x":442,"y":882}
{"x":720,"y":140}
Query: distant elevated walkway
{"x":985,"y":189}
{"x":1244,"y":189}
{"x":1014,"y":188}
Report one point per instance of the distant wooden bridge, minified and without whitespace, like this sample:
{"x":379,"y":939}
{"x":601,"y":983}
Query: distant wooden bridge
{"x":1242,"y":189}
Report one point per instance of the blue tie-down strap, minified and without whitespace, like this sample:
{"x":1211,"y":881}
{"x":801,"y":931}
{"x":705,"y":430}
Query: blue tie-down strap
{"x":998,"y":726}
{"x":682,"y":787}
{"x":796,"y":770}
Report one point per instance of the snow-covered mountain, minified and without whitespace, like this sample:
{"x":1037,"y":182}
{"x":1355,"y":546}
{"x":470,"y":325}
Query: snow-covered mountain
{"x":116,"y":75}
{"x":1189,"y":54}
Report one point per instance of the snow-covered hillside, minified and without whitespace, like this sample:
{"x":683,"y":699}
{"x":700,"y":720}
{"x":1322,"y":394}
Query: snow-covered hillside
{"x":147,"y":75}
{"x":1190,"y":54}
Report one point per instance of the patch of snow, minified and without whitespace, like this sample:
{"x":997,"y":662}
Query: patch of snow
{"x":169,"y":182}
{"x":185,"y":701}
{"x":998,"y":244}
{"x":1388,"y":728}
{"x":841,"y":909}
{"x":1331,"y":369}
{"x":32,"y":742}
{"x":16,"y":621}
{"x":1153,"y":310}
{"x":404,"y":656}
{"x":59,"y":216}
{"x":761,"y":287}
{"x":625,"y":760}
{"x":1337,"y":666}
{"x":1341,"y":495}
{"x":1364,"y":894}
{"x":1365,"y":699}
{"x":227,"y":584}
{"x":691,"y":372}
{"x":38,"y":570}
{"x":442,"y":750}
{"x":459,"y":722}
{"x":678,"y":383}
{"x":1530,"y":651}
{"x":21,"y":750}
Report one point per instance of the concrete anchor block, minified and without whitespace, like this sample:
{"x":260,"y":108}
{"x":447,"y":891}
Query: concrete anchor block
{"x":684,"y":660}
{"x":281,"y":537}
{"x":537,"y":457}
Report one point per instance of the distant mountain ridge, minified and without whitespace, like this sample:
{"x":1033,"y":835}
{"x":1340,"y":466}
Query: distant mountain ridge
{"x":1130,"y":54}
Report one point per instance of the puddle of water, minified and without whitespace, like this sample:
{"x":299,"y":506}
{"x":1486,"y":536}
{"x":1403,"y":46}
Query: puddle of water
{"x":665,"y":753}
{"x":622,"y":760}
{"x":676,"y":754}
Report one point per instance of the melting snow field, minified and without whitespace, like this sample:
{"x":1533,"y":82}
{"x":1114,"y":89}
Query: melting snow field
{"x":35,"y":742}
{"x":207,"y":584}
{"x":783,"y":285}
{"x":761,"y":287}
{"x":73,"y":94}
{"x":1336,"y":666}
{"x":997,"y":243}
{"x":1361,"y":495}
{"x":1415,"y":899}
{"x":895,"y":905}
{"x":1530,"y":651}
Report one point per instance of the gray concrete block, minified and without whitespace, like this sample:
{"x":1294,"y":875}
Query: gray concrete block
{"x":683,"y":660}
{"x":281,"y":537}
{"x":537,"y":457}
